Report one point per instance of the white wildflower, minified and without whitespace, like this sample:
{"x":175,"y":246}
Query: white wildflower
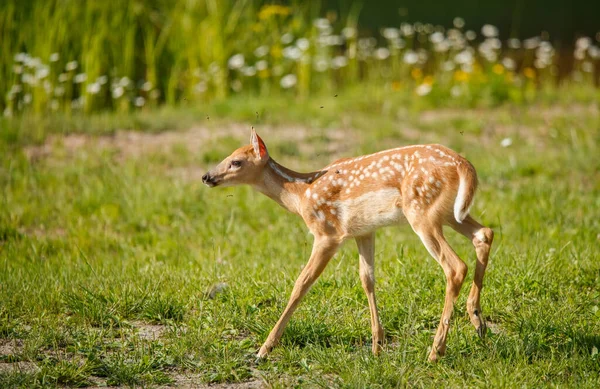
{"x":292,"y":52}
{"x":509,"y":63}
{"x":21,"y":57}
{"x":489,"y":31}
{"x":407,"y":29}
{"x":139,"y":101}
{"x":514,"y":43}
{"x":93,"y":88}
{"x":248,"y":71}
{"x":287,"y":38}
{"x":125,"y":82}
{"x":321,"y":24}
{"x":27,"y":78}
{"x":531,"y":43}
{"x":334,"y":40}
{"x":71,"y":65}
{"x":470,"y":35}
{"x":436,"y":37}
{"x":464,"y":57}
{"x":390,"y":33}
{"x":261,"y":65}
{"x":506,"y":142}
{"x":42,"y":72}
{"x":583,"y":43}
{"x":118,"y":92}
{"x":201,"y":87}
{"x":261,"y":51}
{"x":288,"y":81}
{"x":410,"y":57}
{"x":79,"y":78}
{"x":236,"y":61}
{"x":448,"y":66}
{"x":303,"y":44}
{"x":423,"y":89}
{"x":349,"y":32}
{"x":54,"y":57}
{"x":382,"y":53}
{"x":459,"y":22}
{"x":339,"y":62}
{"x":321,"y":64}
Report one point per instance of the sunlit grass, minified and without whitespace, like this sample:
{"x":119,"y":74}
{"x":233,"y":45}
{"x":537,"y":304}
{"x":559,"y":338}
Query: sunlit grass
{"x":97,"y":242}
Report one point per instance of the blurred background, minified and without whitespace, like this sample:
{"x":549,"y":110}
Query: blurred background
{"x":86,"y":56}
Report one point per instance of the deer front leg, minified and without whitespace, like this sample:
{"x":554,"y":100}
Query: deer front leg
{"x":366,"y":251}
{"x":323,"y":249}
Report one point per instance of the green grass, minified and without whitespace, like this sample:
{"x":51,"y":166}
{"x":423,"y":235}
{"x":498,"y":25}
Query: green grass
{"x":98,"y":243}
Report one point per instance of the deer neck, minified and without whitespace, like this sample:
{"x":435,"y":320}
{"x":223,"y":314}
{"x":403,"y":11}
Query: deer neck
{"x":283,"y":185}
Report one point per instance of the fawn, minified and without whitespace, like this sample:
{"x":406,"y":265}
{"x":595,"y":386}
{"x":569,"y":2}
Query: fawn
{"x":428,"y":186}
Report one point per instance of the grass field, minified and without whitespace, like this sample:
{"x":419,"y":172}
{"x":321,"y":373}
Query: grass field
{"x":118,"y":267}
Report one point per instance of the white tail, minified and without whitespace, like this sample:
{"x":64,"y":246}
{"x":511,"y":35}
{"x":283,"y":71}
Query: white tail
{"x":427,"y":186}
{"x":466,"y":191}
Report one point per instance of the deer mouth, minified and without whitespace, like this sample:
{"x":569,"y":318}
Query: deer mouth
{"x":209,"y":181}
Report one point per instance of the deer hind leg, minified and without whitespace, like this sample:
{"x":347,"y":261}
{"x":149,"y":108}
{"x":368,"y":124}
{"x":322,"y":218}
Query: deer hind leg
{"x":323,"y":249}
{"x":455,"y":270}
{"x":366,"y":251}
{"x":482,"y":238}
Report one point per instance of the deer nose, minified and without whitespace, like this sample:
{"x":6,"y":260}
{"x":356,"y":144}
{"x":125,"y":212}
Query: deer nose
{"x":205,"y":178}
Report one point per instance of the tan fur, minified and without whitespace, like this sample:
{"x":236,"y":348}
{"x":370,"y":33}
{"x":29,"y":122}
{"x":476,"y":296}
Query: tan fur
{"x":353,"y":197}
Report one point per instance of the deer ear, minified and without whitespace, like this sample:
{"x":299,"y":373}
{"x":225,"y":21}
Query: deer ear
{"x":260,"y":150}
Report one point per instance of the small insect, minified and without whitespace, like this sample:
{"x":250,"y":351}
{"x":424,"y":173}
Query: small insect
{"x":229,"y":195}
{"x":207,"y":117}
{"x":462,"y":132}
{"x":335,"y":96}
{"x":321,"y":106}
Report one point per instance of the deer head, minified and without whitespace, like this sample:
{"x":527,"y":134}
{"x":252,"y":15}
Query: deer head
{"x":243,"y":166}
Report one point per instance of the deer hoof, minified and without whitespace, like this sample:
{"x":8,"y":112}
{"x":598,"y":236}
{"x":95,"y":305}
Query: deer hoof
{"x":263,"y":352}
{"x":481,"y":330}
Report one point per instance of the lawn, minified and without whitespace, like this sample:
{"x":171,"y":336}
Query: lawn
{"x":118,"y":267}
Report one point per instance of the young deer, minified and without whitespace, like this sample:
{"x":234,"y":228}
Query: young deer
{"x":427,"y":185}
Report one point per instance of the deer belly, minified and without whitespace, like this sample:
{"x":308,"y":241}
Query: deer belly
{"x":370,"y":211}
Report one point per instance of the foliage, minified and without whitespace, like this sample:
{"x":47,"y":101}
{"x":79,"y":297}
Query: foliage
{"x":67,"y":55}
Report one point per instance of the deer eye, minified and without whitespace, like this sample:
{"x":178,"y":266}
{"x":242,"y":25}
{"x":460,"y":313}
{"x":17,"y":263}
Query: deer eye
{"x":236,"y":163}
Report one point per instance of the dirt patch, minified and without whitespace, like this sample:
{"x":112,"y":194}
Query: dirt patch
{"x":19,"y":367}
{"x":149,"y":331}
{"x":10,"y":347}
{"x":542,"y":112}
{"x":191,"y":380}
{"x":43,"y":232}
{"x":494,"y":327}
{"x":132,"y":144}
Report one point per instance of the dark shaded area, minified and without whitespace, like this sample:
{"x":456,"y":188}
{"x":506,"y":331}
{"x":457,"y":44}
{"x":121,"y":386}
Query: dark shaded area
{"x":563,"y":20}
